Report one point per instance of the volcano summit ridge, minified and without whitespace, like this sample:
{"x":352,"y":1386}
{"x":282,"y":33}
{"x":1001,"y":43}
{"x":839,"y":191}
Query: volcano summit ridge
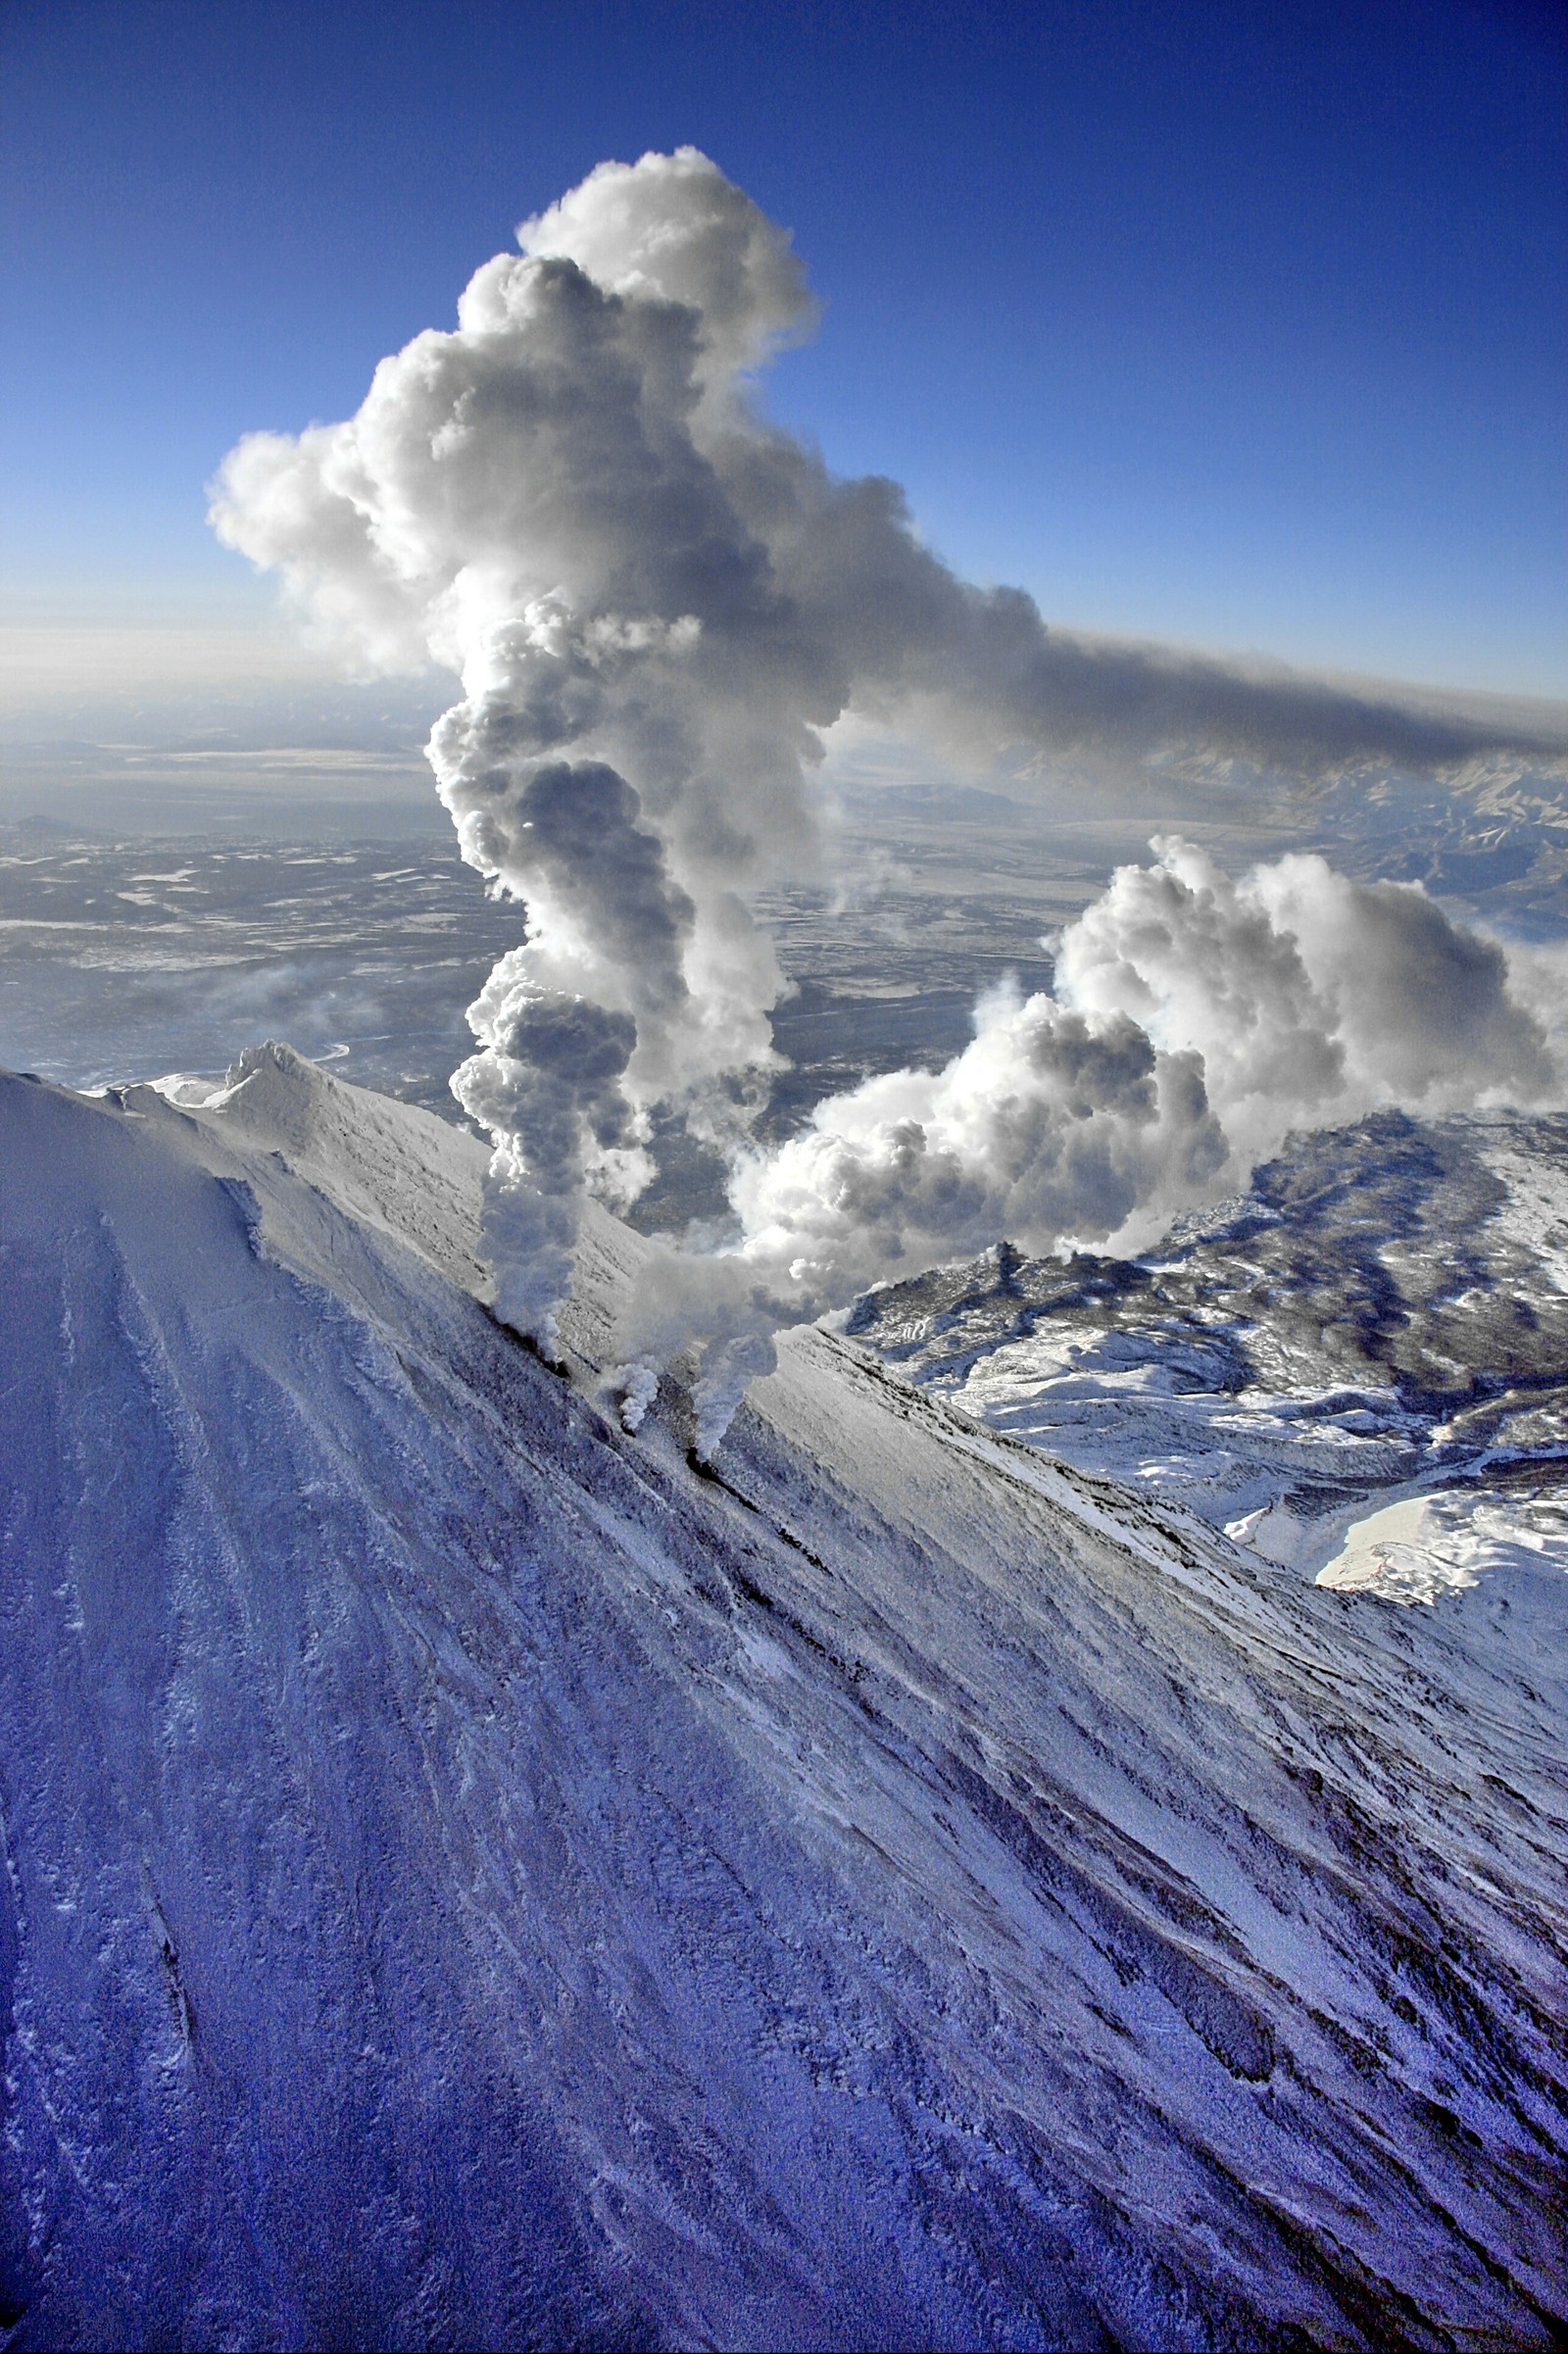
{"x":475,"y":1874}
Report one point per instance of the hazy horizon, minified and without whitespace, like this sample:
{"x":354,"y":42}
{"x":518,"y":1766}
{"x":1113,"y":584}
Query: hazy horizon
{"x":1225,"y":329}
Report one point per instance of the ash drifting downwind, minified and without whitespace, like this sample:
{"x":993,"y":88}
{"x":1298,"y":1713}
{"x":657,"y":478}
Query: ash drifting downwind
{"x":657,"y":602}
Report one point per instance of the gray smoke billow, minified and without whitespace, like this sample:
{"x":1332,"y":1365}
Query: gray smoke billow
{"x":656,"y":601}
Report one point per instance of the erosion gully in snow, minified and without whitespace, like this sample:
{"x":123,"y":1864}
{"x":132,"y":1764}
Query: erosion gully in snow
{"x":473,"y":1877}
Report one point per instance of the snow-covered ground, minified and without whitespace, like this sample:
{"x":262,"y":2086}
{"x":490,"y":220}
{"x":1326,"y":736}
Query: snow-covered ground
{"x":473,"y":1877}
{"x":1364,"y":1362}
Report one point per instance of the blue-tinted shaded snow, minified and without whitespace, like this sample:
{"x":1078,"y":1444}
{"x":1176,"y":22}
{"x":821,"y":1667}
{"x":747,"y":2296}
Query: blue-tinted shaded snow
{"x":472,"y":1879}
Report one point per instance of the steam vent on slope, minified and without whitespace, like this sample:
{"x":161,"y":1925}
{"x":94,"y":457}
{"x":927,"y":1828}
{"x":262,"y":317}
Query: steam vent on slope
{"x":474,"y":1876}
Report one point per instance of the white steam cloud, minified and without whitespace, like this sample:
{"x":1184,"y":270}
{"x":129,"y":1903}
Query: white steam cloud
{"x":656,"y":601}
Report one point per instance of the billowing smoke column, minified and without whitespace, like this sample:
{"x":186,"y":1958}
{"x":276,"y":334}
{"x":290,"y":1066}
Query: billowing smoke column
{"x":568,"y":502}
{"x":1196,"y":1022}
{"x":656,"y":602}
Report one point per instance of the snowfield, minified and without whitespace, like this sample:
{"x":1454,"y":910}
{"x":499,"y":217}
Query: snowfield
{"x":474,"y":1878}
{"x":1384,"y":1315}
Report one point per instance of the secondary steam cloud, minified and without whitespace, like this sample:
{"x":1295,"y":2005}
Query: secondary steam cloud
{"x":656,"y":602}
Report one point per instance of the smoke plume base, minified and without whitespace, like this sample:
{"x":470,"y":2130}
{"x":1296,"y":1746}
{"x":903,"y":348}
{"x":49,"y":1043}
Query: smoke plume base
{"x":657,"y":602}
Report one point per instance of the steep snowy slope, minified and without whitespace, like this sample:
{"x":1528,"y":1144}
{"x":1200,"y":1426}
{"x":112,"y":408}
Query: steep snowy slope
{"x":471,"y":1877}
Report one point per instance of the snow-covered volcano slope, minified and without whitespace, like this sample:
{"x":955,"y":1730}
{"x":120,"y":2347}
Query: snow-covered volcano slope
{"x":473,"y":1878}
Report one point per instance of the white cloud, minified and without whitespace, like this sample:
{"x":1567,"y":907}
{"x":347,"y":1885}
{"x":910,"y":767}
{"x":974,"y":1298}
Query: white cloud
{"x":657,"y":604}
{"x":1197,"y":1023}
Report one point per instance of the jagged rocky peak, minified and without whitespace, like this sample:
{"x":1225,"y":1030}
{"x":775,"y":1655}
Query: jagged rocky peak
{"x":390,"y":1165}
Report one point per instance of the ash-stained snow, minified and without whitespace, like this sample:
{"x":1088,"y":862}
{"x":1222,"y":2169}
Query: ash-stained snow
{"x":473,"y":1877}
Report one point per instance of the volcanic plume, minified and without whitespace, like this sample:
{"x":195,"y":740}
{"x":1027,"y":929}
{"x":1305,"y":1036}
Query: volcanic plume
{"x":656,"y":601}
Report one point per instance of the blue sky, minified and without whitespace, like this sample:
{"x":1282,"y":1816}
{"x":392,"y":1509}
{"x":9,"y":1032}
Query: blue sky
{"x":1232,"y":325}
